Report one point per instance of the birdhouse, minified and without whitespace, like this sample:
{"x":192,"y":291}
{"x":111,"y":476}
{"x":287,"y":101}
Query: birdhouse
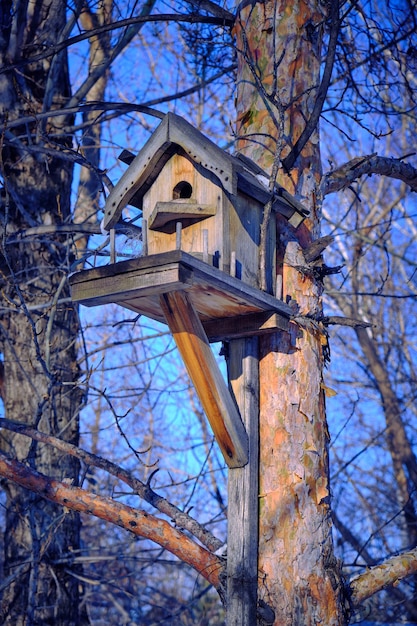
{"x":202,"y":211}
{"x":197,"y":198}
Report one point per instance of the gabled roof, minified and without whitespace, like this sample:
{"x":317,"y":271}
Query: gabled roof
{"x":233,"y":174}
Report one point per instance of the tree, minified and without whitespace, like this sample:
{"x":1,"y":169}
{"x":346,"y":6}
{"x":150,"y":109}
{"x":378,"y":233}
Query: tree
{"x":37,"y":333}
{"x":294,"y":488}
{"x":295,"y":64}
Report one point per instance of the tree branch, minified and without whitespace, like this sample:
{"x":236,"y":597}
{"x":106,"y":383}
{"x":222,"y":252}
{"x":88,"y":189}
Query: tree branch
{"x":181,"y":519}
{"x":213,"y":9}
{"x":340,"y":320}
{"x":381,"y":576}
{"x":141,"y":19}
{"x":346,"y":174}
{"x":136,"y":521}
{"x":124,"y":228}
{"x":119,"y":107}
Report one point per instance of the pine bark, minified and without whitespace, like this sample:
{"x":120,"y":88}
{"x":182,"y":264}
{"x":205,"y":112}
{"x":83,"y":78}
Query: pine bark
{"x":37,"y":330}
{"x":279,"y":46}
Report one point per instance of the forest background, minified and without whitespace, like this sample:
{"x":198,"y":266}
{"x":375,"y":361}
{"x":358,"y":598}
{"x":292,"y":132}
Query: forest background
{"x":81,"y":82}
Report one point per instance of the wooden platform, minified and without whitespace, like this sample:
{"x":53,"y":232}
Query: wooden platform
{"x":200,"y":303}
{"x":227,"y":307}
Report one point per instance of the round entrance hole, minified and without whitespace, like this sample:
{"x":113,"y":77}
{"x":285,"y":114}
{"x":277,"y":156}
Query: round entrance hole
{"x":182,"y":190}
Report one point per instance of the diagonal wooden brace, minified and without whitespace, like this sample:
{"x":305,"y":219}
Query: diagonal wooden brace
{"x":218,"y":404}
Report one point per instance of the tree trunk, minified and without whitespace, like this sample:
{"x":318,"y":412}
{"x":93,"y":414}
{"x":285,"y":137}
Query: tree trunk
{"x":38,"y":327}
{"x":279,"y":46}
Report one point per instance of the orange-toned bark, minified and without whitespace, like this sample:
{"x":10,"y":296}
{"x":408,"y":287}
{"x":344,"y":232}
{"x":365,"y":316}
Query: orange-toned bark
{"x":134,"y":520}
{"x":144,"y":491}
{"x":278,"y":75}
{"x":278,"y":81}
{"x":388,"y":573}
{"x":299,"y":574}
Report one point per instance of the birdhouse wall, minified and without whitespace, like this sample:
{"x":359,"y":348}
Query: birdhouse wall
{"x":203,"y":193}
{"x":245,"y":227}
{"x":232,"y":222}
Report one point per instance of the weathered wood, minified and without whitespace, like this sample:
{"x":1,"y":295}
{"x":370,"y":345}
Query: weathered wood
{"x":113,"y":254}
{"x":163,"y":143}
{"x":138,"y":283}
{"x":242,"y":534}
{"x":174,"y":135}
{"x":192,"y":343}
{"x":160,"y":199}
{"x":181,"y":176}
{"x":98,"y":288}
{"x":243,"y":237}
{"x":283,"y":202}
{"x":165,"y":214}
{"x":245,"y":326}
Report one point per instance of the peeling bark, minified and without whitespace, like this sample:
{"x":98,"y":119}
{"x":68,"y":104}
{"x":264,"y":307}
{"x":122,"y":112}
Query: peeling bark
{"x":390,"y":572}
{"x":278,"y":84}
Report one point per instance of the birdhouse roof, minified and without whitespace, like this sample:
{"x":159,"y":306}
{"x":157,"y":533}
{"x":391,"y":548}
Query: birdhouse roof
{"x":235,"y":174}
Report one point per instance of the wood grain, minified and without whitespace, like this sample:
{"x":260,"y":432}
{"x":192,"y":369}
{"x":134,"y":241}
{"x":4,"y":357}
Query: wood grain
{"x":137,"y":284}
{"x":242,"y":530}
{"x":193,"y":345}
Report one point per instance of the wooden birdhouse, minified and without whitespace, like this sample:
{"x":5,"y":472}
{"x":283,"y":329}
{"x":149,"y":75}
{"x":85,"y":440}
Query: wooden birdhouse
{"x":197,"y":198}
{"x":202,"y":211}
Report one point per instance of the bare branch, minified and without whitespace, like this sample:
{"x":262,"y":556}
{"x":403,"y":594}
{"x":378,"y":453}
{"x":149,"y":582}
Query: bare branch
{"x":181,"y":519}
{"x":191,"y":90}
{"x":346,"y":174}
{"x":345,"y":321}
{"x":214,"y":9}
{"x":119,"y":107}
{"x":70,"y":229}
{"x":136,"y":521}
{"x":161,"y":17}
{"x":377,"y":578}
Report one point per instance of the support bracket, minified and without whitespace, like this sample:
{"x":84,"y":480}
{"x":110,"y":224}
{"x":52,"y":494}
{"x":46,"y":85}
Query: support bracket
{"x":219,"y":406}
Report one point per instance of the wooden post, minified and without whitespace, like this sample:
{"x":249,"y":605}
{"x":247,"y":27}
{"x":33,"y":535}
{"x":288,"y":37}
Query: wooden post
{"x":218,"y":404}
{"x":113,"y":257}
{"x":178,"y":234}
{"x":242,"y":533}
{"x":144,"y":237}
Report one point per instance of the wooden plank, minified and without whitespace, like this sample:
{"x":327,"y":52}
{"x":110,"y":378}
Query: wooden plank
{"x":214,"y":293}
{"x":126,"y":286}
{"x":192,"y":343}
{"x":165,"y":214}
{"x":214,"y":302}
{"x":242,"y":512}
{"x":252,"y":324}
{"x":245,"y":326}
{"x":233,"y":286}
